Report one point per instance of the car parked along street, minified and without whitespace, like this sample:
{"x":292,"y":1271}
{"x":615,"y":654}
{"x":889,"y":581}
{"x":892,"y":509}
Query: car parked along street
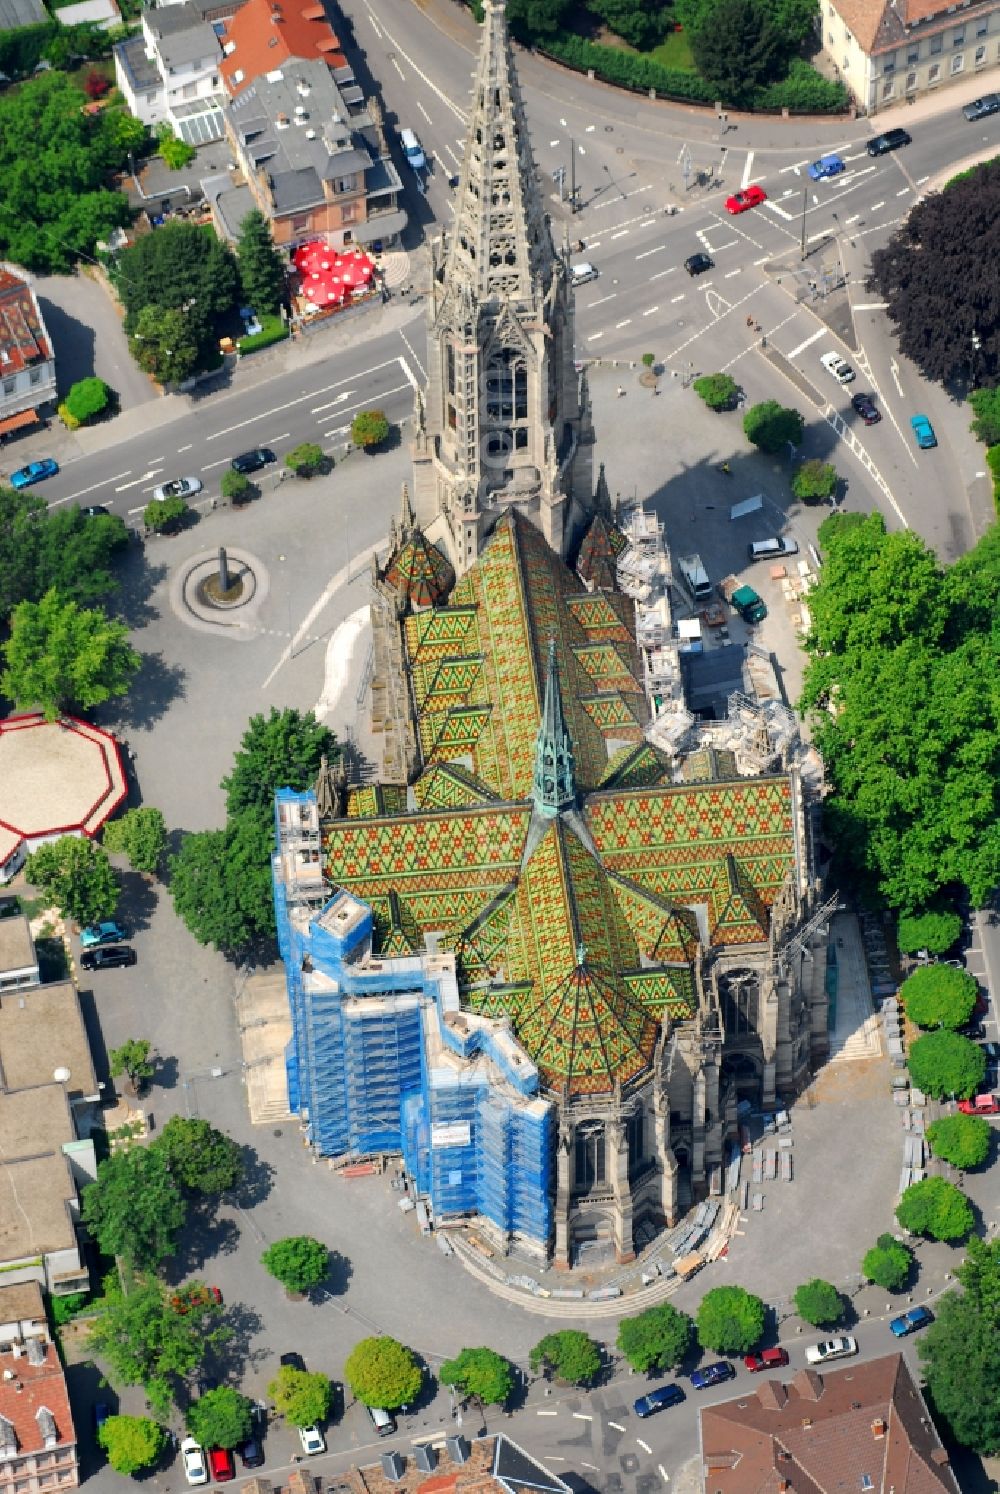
{"x":252,"y":461}
{"x":34,"y":472}
{"x":658,"y":1399}
{"x":180,"y":487}
{"x":108,"y":957}
{"x":713,"y":1374}
{"x":102,"y":933}
{"x":910,"y":1322}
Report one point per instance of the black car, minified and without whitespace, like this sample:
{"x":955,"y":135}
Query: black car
{"x":293,"y":1361}
{"x":656,"y":1400}
{"x":891,"y":140}
{"x":107,"y":957}
{"x":699,"y":263}
{"x":251,"y":1452}
{"x":252,"y":461}
{"x":865,"y":407}
{"x":980,"y":108}
{"x":94,"y":510}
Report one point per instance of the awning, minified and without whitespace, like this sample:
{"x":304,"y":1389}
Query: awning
{"x":382,"y":226}
{"x":748,"y":506}
{"x":22,"y":421}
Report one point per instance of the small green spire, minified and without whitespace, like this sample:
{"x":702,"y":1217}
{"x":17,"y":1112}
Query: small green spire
{"x":555,"y":781}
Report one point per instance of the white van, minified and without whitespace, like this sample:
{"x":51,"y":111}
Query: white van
{"x":695,"y":576}
{"x":582,"y":273}
{"x":412,"y":150}
{"x":766,"y":548}
{"x":384,"y":1424}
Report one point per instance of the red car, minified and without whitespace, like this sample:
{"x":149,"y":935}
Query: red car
{"x":980,"y":1105}
{"x":221,"y":1464}
{"x":766,"y":1359}
{"x":750,"y":197}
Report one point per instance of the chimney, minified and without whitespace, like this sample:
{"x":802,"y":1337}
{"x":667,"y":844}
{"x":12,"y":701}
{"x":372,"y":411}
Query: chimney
{"x":458,"y":1450}
{"x":425,"y":1457}
{"x":878,"y":1428}
{"x":807,"y":1421}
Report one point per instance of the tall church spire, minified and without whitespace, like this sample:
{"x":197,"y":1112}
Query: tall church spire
{"x":501,"y":242}
{"x":555,"y":779}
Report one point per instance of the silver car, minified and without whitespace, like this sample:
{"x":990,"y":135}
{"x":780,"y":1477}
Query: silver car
{"x":832,"y":1348}
{"x":180,"y":487}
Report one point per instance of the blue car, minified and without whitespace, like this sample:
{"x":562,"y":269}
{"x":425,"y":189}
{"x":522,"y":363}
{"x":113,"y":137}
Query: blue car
{"x":910,"y":1322}
{"x":33,"y":472}
{"x":924,"y":432}
{"x":102,"y":933}
{"x":713,"y":1374}
{"x":656,"y":1400}
{"x":826,"y":166}
{"x":101,"y":1413}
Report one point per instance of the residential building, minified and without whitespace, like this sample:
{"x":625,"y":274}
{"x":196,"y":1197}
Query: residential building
{"x":18,"y":956}
{"x":864,"y":1427}
{"x":38,"y":1448}
{"x":169,"y":72}
{"x":268,"y":34}
{"x":488,"y":1465}
{"x":890,"y":50}
{"x":313,"y":166}
{"x":48,"y":1099}
{"x":27,"y":360}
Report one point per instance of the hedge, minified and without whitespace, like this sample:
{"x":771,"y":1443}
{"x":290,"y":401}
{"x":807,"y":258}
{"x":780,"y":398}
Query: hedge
{"x":21,"y":49}
{"x":993,"y":462}
{"x":272,"y":329}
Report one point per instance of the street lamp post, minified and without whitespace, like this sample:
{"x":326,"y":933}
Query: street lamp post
{"x":976,"y":345}
{"x":805,"y":195}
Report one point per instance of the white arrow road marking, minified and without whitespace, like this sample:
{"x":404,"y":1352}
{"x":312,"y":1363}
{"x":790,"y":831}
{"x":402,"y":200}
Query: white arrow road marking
{"x":330,"y":404}
{"x":138,"y":481}
{"x":894,"y":370}
{"x":747,"y":169}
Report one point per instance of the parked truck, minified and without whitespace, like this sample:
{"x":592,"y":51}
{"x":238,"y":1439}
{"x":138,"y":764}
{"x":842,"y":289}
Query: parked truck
{"x":743,"y":599}
{"x":695,"y":576}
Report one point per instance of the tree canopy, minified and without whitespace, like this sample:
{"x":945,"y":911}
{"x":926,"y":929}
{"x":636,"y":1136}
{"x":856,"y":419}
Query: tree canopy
{"x":144,"y":1342}
{"x":76,"y":875}
{"x":301,"y":1397}
{"x":306,"y":459}
{"x":131,"y":1442}
{"x":730,"y":1320}
{"x":42,"y":548}
{"x":280,"y":750}
{"x":132,"y":1059}
{"x":658,"y":1338}
{"x":261,"y":267}
{"x":201,"y":1159}
{"x":962,"y":1140}
{"x":718,"y":390}
{"x":369,"y":428}
{"x":62,"y":657}
{"x":771,"y":426}
{"x":134,"y":1209}
{"x":87,"y":398}
{"x":183,"y":270}
{"x":482,"y":1374}
{"x":220,"y":885}
{"x":939,"y":295}
{"x":569,"y":1354}
{"x":933,"y":930}
{"x":936,"y":1208}
{"x":382,"y":1372}
{"x":54,"y":165}
{"x":298,"y":1262}
{"x":899,"y":693}
{"x":737,"y":48}
{"x":220,"y":1418}
{"x":939,"y":996}
{"x":814,"y":481}
{"x":818,"y":1302}
{"x":888,"y":1264}
{"x":141,"y":834}
{"x":943,"y":1064}
{"x":961,"y":1351}
{"x":168,"y":343}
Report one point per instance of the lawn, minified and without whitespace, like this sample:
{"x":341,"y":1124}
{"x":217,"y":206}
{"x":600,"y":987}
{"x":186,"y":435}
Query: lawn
{"x":674,"y":52}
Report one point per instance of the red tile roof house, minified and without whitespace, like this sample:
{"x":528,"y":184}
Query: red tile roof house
{"x":37,"y":1437}
{"x":863,"y":1428}
{"x":27,"y":362}
{"x":889,"y":50}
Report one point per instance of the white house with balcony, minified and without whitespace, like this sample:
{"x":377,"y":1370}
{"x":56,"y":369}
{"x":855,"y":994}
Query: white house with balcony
{"x":890,"y":50}
{"x":169,"y":72}
{"x":27,"y":361}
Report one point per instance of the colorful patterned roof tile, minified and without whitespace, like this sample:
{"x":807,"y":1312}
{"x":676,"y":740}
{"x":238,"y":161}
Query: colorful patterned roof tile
{"x":450,"y":786}
{"x":419,"y":572}
{"x":597,"y":561}
{"x":710,"y":765}
{"x":369,"y":800}
{"x":636,"y":767}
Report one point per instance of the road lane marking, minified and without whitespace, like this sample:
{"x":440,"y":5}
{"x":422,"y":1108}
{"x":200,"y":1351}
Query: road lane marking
{"x":300,"y":400}
{"x":185,"y":448}
{"x":779,"y":211}
{"x":627,"y":322}
{"x":894,"y":370}
{"x":663,"y":1473}
{"x":424,"y":112}
{"x":644,"y":1445}
{"x":138,"y":481}
{"x":903,"y":191}
{"x":82,"y":493}
{"x":852,"y":219}
{"x":318,"y":409}
{"x":730,"y":273}
{"x":207,"y":466}
{"x":601,"y":300}
{"x":876,"y":205}
{"x":647,"y":252}
{"x":546,"y":1413}
{"x":273,"y":440}
{"x":660,"y":273}
{"x":870,"y":306}
{"x":747,"y":170}
{"x":652,"y":311}
{"x":796,"y":168}
{"x":624,"y":234}
{"x":815,"y":337}
{"x":582,"y":1416}
{"x":617,"y":1426}
{"x":675,"y":299}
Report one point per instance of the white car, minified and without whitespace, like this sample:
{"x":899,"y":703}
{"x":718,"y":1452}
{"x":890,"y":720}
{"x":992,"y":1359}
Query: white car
{"x":193,"y":1458}
{"x":185,"y":487}
{"x":834,"y":364}
{"x":312,"y":1441}
{"x":833,"y":1348}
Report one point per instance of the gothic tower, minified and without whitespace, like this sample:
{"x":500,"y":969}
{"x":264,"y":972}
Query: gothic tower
{"x":505,"y":420}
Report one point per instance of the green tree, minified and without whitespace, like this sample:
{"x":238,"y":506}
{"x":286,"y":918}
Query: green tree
{"x":262,"y":269}
{"x":961,"y":1352}
{"x":305,"y":460}
{"x":382,"y":1372}
{"x":201,"y":1158}
{"x":141,"y":834}
{"x":642,"y":26}
{"x":533,"y":20}
{"x":167,"y":344}
{"x":658,"y":1338}
{"x":41,"y":548}
{"x":301,"y":1398}
{"x":369,"y":428}
{"x":219,"y":882}
{"x":283,"y":749}
{"x":814,"y":481}
{"x":132,"y":1059}
{"x":939,"y":996}
{"x":962,"y":1140}
{"x":220,"y":1418}
{"x":131,"y":1442}
{"x":935,"y":1208}
{"x":730,"y":1320}
{"x":945,"y":1063}
{"x":569,"y":1355}
{"x":77,"y":876}
{"x":175,"y":152}
{"x":62,"y":657}
{"x":796,"y":21}
{"x":771,"y":426}
{"x":480,"y":1374}
{"x":818,"y":1302}
{"x":986,"y":406}
{"x":123,"y":132}
{"x":298,"y":1262}
{"x":935,"y":931}
{"x":736,"y":48}
{"x":888,"y":1264}
{"x":135,"y":1208}
{"x":235,"y":486}
{"x":182,"y":264}
{"x":142,"y":1341}
{"x":163,"y":514}
{"x":718,"y":390}
{"x":88,"y":398}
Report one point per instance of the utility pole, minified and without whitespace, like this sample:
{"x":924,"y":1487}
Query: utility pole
{"x":805,"y":194}
{"x":572,"y":175}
